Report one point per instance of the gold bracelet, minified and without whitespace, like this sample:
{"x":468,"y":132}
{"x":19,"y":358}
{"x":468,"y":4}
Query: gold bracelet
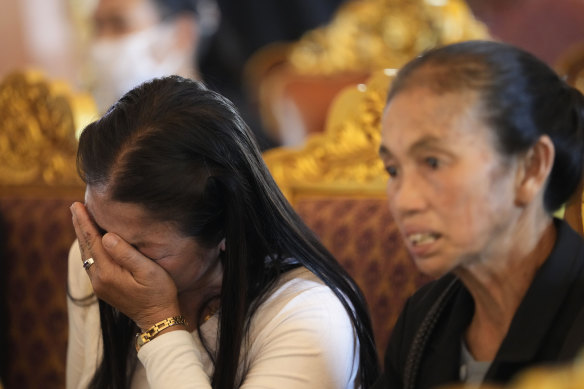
{"x":152,"y":332}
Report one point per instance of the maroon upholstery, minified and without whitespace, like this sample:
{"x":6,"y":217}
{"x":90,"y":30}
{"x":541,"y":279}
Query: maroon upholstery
{"x":37,"y":236}
{"x":361,"y":234}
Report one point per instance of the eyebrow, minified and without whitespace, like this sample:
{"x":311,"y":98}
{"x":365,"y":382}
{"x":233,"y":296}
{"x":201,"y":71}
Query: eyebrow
{"x":383,"y":151}
{"x":426,"y":141}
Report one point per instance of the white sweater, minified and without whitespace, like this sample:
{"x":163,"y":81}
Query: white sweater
{"x":300,"y":337}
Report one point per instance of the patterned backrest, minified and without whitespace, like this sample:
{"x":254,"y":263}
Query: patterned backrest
{"x":337,"y":185}
{"x":361,"y":234}
{"x":38,"y":182}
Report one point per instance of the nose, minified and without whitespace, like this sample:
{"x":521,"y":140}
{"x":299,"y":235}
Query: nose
{"x":406,"y":195}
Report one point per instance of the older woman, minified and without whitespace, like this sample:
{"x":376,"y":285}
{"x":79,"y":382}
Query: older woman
{"x":482,"y":142}
{"x":205,"y":275}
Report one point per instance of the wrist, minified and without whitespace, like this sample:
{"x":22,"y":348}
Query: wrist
{"x":169,"y":324}
{"x":148,"y":320}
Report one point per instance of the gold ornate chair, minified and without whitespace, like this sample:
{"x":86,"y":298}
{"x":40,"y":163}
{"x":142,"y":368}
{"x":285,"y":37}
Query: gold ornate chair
{"x":38,"y":182}
{"x":337,"y":185}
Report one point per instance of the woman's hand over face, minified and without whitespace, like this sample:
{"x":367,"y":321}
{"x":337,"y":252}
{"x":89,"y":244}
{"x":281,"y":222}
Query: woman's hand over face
{"x":122,"y":276}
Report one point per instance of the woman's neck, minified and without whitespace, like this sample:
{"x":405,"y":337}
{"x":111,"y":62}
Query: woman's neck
{"x":498,"y":285}
{"x":197,"y":309}
{"x":198,"y":304}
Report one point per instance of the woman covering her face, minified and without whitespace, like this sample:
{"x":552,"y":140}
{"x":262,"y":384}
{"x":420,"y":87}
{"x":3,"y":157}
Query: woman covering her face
{"x":199,"y":262}
{"x":482,"y":143}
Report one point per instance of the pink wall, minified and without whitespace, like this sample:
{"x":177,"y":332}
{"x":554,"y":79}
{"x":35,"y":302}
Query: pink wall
{"x":12,"y":49}
{"x":38,"y":34}
{"x":547,"y":28}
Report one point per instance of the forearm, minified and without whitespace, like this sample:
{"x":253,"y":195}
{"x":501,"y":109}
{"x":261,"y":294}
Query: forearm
{"x":84,"y":336}
{"x":173,"y":360}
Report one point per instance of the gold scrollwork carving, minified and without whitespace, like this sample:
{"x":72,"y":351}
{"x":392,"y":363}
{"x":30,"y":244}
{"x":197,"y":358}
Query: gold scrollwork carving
{"x":345,"y":156}
{"x":38,"y":130}
{"x":367,"y":35}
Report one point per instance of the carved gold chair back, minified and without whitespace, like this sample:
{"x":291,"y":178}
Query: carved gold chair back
{"x":345,"y":156}
{"x":40,"y":121}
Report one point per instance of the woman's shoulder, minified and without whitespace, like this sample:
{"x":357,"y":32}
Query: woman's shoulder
{"x":302,"y":311}
{"x":297,"y":283}
{"x":300,"y":293}
{"x":302,"y":327}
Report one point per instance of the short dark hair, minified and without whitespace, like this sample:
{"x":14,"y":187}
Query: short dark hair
{"x":523,"y":99}
{"x":170,"y":9}
{"x":183,"y":152}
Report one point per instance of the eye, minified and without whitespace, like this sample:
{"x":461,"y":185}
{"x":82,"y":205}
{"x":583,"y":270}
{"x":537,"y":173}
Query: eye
{"x":101,"y":231}
{"x":141,"y":252}
{"x":391,"y":170}
{"x":432,"y":162}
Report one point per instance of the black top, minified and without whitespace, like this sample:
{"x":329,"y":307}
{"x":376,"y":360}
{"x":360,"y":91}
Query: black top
{"x":547,"y":327}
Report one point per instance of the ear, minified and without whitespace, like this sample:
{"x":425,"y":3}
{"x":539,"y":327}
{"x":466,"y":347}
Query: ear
{"x":534,"y":170}
{"x":222,"y":245}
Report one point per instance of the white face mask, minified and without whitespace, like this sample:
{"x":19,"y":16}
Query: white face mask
{"x":123,"y":63}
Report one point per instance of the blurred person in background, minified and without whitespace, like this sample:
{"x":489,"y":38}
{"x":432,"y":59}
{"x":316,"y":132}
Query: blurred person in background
{"x":137,"y":40}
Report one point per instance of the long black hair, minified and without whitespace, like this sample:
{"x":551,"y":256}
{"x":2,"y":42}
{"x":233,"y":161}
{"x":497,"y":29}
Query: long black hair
{"x":183,"y":153}
{"x":522,"y":97}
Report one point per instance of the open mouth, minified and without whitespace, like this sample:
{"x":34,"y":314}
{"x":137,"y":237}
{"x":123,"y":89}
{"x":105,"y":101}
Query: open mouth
{"x":422,"y":238}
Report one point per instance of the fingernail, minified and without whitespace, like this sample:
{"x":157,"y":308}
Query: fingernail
{"x":110,"y":240}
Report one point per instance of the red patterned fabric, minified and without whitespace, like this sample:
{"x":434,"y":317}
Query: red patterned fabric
{"x":363,"y":237}
{"x":37,"y":237}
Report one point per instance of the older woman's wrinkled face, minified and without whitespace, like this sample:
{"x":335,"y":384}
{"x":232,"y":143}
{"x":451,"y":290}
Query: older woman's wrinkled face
{"x":191,"y":266}
{"x":450,"y":191}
